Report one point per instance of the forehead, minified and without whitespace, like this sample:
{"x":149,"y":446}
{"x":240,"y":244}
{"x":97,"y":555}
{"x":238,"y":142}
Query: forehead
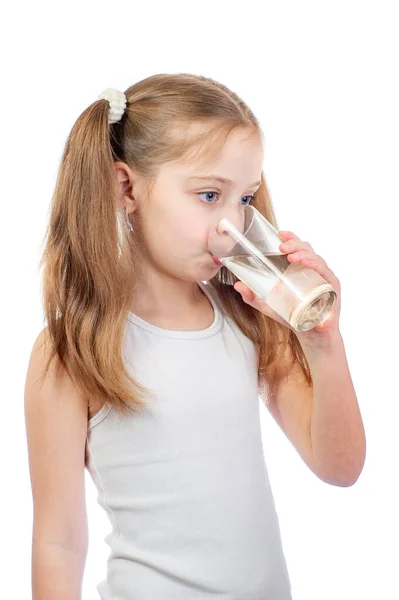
{"x":228,"y":152}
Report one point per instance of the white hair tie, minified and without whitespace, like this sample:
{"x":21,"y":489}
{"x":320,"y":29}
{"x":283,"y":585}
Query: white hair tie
{"x":117,"y":104}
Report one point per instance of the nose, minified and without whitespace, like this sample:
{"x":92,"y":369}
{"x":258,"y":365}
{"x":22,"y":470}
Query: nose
{"x":221,"y":243}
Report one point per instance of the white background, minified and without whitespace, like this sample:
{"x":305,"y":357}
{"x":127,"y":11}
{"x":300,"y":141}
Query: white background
{"x":322,"y":78}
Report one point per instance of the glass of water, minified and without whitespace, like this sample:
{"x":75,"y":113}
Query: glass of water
{"x":297,"y":294}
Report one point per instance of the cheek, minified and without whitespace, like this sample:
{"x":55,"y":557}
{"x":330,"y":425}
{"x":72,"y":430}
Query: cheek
{"x":177,"y":232}
{"x":183,"y":230}
{"x":178,"y":239}
{"x":192,"y":234}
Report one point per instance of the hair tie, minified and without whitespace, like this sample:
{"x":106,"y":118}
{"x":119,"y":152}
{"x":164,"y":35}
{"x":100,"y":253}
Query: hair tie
{"x":117,"y":104}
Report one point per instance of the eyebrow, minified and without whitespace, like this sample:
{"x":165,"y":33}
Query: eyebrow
{"x":221,"y":179}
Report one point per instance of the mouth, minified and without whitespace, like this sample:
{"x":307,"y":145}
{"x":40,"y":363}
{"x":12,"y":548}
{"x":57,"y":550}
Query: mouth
{"x":217,"y":261}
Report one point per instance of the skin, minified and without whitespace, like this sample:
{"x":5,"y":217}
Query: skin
{"x":178,"y":220}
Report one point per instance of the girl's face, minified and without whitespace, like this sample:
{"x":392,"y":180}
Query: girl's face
{"x":184,"y":207}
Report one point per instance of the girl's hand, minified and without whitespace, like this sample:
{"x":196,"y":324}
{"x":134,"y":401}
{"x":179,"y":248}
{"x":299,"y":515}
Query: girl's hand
{"x":302,"y":252}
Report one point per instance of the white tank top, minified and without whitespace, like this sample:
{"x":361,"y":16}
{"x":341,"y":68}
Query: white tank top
{"x":185,"y":482}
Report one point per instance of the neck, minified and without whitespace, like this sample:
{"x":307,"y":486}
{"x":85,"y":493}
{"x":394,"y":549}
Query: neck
{"x":171,"y":298}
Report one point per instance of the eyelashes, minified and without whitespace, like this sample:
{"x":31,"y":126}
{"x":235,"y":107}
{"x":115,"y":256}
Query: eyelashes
{"x":212,"y":192}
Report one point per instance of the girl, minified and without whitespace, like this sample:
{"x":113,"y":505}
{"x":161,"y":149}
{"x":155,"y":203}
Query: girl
{"x":149,"y":371}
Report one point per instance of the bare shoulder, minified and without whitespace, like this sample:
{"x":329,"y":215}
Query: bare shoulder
{"x":56,"y":428}
{"x":57,"y":381}
{"x":57,"y":375}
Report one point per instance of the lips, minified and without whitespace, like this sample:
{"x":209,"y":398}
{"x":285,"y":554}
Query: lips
{"x":217,"y":261}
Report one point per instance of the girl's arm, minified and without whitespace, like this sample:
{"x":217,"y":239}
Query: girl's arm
{"x":56,"y":427}
{"x":323,"y":422}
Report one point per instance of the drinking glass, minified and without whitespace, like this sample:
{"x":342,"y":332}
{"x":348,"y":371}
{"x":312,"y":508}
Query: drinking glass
{"x":298,"y":294}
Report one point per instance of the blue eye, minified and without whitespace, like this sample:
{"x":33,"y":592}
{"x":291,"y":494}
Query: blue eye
{"x":201,"y":193}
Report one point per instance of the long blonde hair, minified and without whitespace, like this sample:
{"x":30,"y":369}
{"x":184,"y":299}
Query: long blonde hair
{"x":89,"y":257}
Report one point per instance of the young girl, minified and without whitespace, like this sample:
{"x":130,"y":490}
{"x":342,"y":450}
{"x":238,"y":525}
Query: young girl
{"x":150,"y":369}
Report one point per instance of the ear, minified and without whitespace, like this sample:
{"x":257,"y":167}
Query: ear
{"x":125,"y":181}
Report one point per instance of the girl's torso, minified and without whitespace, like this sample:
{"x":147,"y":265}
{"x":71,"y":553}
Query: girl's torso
{"x":202,"y":319}
{"x":184,"y":481}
